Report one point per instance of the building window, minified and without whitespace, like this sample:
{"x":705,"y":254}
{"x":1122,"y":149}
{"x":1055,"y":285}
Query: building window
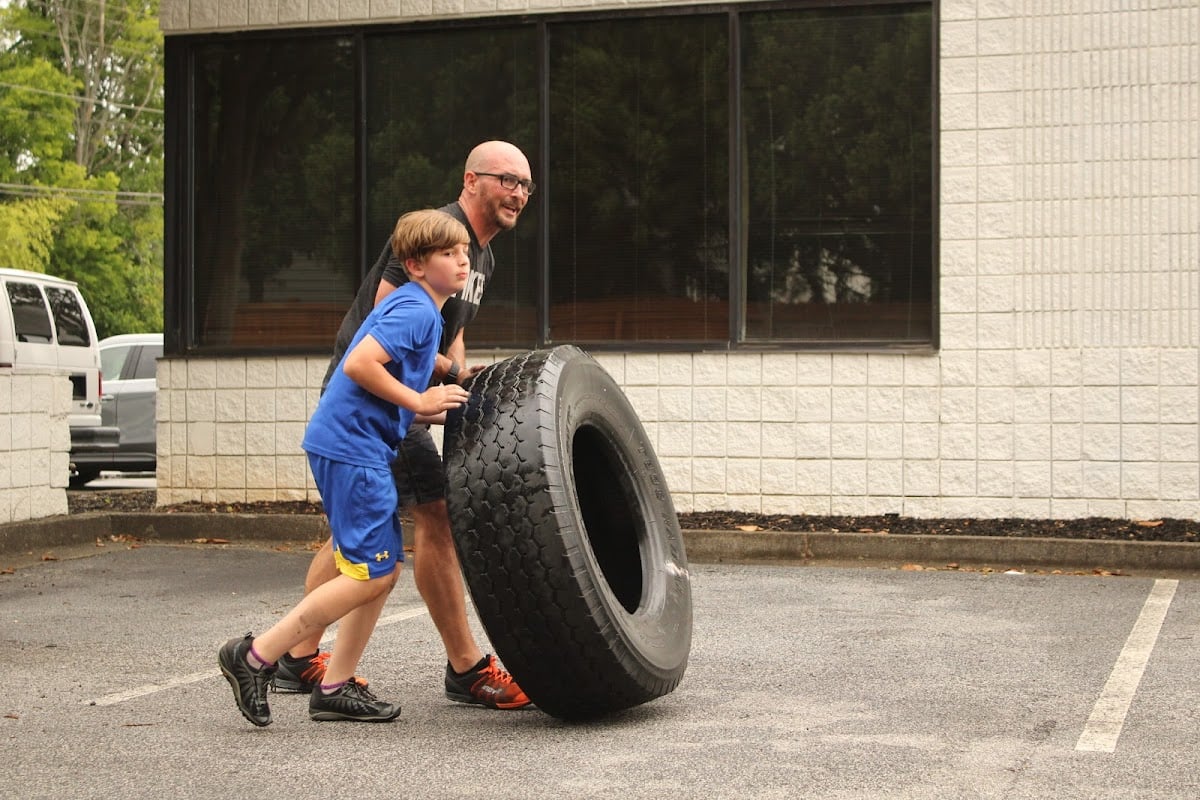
{"x":418,"y":134}
{"x":638,"y":197}
{"x":757,"y":176}
{"x":273,"y":260}
{"x":837,"y":135}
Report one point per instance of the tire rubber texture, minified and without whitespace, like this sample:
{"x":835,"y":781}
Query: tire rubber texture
{"x":567,"y":536}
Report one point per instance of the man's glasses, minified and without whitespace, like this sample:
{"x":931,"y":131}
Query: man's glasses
{"x":511,"y":182}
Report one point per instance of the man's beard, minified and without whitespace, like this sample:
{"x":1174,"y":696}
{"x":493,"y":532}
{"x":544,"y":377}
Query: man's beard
{"x":503,"y":221}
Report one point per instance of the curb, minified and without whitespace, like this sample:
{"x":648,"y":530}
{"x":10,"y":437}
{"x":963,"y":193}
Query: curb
{"x":77,"y":529}
{"x":1003,"y":552}
{"x":703,"y":546}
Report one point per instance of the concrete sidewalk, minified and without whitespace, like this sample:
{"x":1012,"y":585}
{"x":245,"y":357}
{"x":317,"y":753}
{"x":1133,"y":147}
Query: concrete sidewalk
{"x":35,"y":538}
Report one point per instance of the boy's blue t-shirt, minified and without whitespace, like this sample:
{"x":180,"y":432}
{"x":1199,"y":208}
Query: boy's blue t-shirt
{"x":351,"y":424}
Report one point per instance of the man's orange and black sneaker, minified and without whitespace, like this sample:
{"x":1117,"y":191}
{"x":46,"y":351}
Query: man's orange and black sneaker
{"x":485,"y":684}
{"x":302,"y":674}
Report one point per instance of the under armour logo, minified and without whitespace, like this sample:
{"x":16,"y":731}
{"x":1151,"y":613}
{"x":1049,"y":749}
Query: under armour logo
{"x":381,"y":556}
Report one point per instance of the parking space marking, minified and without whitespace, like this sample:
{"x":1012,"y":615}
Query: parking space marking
{"x":1104,"y":726}
{"x":183,"y":680}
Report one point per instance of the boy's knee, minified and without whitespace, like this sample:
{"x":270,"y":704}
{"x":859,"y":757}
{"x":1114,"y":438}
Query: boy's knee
{"x":375,"y":587}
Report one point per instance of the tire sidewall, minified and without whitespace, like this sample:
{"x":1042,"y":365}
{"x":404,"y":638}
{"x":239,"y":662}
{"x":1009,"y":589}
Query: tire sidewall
{"x":657,"y":635}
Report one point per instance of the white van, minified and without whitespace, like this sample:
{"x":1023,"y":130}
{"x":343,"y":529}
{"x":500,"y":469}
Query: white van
{"x":45,"y":325}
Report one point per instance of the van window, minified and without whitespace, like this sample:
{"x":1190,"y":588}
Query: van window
{"x":68,"y":317}
{"x":31,"y":322}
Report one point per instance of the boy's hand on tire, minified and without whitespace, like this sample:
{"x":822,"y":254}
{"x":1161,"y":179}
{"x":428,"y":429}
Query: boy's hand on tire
{"x":437,"y":399}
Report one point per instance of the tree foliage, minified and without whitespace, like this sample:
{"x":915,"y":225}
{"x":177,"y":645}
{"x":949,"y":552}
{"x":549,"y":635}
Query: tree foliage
{"x":81,"y":125}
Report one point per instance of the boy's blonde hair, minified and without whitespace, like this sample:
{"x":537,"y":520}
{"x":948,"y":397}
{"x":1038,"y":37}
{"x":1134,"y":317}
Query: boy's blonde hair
{"x":419,"y":233}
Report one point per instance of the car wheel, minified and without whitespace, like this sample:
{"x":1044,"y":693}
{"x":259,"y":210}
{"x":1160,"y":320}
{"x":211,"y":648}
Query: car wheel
{"x":567,"y":535}
{"x":81,"y":477}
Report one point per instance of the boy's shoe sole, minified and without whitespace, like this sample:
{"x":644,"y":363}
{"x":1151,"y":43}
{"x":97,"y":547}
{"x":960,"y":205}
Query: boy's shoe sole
{"x":352,"y":703}
{"x":249,"y":685}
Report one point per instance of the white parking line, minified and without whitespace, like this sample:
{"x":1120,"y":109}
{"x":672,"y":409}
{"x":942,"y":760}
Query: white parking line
{"x":1104,"y":726}
{"x":196,"y":677}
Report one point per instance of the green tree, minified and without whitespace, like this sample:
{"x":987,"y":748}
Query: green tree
{"x":81,"y":123}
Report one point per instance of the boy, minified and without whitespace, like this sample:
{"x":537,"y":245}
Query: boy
{"x":350,"y":441}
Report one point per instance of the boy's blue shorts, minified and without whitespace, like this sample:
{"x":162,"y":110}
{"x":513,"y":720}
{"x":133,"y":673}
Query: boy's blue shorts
{"x":361,"y":505}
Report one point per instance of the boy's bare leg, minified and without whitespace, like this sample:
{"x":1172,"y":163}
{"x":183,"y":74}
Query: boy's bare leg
{"x":437,"y":577}
{"x":319,"y":609}
{"x":321,"y":570}
{"x":439,"y":581}
{"x":354,"y":631}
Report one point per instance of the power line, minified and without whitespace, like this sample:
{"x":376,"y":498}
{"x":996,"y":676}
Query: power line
{"x":120,"y":46}
{"x":81,"y":99}
{"x":83,"y":195}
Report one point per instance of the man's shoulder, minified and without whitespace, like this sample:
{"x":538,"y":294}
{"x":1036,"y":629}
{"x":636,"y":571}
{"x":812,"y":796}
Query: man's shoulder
{"x":455,"y":210}
{"x":413,"y":297}
{"x":406,"y":293}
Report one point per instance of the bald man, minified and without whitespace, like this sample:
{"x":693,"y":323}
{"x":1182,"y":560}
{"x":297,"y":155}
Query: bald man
{"x":496,"y":186}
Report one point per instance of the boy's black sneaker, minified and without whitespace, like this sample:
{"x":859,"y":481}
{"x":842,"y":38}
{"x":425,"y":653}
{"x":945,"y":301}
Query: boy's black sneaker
{"x":353,"y":702}
{"x":249,"y":684}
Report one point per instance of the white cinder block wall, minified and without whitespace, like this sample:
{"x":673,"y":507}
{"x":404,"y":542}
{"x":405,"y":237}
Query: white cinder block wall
{"x":35,"y":442}
{"x":1068,"y":379}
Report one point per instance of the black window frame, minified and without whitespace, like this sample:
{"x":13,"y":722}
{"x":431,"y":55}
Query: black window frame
{"x":179,"y":233}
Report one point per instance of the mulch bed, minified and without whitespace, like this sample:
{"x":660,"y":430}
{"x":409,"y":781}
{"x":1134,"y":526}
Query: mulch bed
{"x":1155,"y":530}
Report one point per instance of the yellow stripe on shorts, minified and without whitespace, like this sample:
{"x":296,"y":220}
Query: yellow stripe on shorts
{"x":359,"y":572}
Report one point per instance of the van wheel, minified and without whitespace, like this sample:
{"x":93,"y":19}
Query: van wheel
{"x":567,"y":536}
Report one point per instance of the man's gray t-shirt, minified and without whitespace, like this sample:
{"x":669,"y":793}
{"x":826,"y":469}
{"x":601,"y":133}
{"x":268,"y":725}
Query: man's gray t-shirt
{"x":456,"y":313}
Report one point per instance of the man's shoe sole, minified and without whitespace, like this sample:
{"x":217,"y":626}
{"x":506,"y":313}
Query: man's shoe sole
{"x":471,"y":700}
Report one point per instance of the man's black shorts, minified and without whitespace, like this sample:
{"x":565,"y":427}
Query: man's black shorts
{"x":418,"y":470}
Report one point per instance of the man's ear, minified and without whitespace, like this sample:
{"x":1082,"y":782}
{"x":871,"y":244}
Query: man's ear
{"x":414,"y":267}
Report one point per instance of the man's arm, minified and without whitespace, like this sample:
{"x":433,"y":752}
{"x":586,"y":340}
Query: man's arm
{"x":384,"y":290}
{"x":457,"y":352}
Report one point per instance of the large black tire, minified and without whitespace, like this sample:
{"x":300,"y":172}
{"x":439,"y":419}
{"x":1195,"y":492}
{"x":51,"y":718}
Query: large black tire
{"x":568,"y":539}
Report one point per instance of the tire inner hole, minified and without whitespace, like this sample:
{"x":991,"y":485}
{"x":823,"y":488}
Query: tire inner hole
{"x":611,"y":520}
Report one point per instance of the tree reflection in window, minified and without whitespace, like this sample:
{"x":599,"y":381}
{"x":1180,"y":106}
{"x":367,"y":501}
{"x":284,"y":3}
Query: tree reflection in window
{"x":68,"y":318}
{"x":837,"y":123}
{"x":639,"y":151}
{"x":274,"y":190}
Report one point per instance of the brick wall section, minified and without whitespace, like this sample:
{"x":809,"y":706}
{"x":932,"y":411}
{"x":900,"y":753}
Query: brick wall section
{"x":1068,"y":379}
{"x":35,"y":441}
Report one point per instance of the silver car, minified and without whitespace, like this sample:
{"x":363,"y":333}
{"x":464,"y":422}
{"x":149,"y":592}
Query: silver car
{"x":127,"y":367}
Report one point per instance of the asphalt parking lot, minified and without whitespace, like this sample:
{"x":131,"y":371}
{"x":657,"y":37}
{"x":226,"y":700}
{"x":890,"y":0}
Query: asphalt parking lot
{"x":804,"y":681}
